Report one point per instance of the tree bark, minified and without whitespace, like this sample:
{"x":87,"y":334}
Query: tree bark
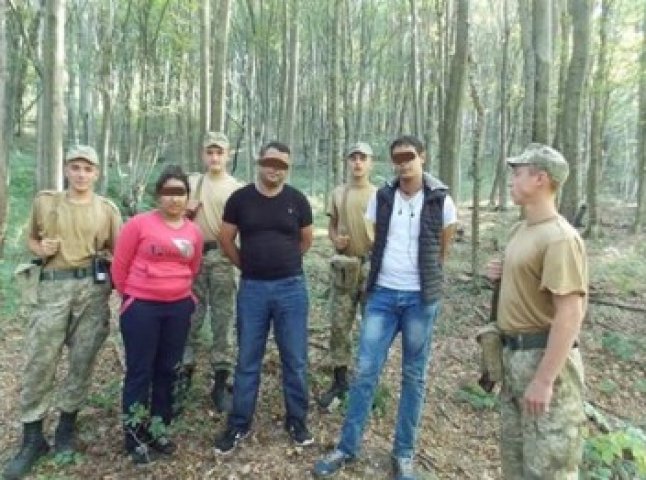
{"x":5,"y":129}
{"x":222,"y":28}
{"x":51,"y":108}
{"x":333,"y":114}
{"x":529,"y":69}
{"x":541,"y":37}
{"x":478,"y":138}
{"x":600,"y":95}
{"x":205,"y":56}
{"x":414,"y":70}
{"x":449,"y":151}
{"x":577,"y":72}
{"x":292,"y":77}
{"x":640,"y":213}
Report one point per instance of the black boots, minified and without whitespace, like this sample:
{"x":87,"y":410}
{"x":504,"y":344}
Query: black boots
{"x":221,"y":394}
{"x":335,"y":394}
{"x":34,"y":446}
{"x":65,"y":435}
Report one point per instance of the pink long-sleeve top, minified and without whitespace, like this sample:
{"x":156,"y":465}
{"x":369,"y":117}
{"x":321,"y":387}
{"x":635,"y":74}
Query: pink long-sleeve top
{"x":153,"y":261}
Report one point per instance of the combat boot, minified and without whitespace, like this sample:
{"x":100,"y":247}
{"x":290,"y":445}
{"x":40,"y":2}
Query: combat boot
{"x":65,"y":435}
{"x":34,"y":446}
{"x":221,"y":394}
{"x":336,"y":393}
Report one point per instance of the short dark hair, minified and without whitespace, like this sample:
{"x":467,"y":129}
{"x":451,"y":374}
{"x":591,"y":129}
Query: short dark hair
{"x":172,"y":172}
{"x":280,"y":146}
{"x":410,"y":141}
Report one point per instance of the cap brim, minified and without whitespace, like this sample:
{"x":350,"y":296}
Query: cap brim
{"x":273,"y":159}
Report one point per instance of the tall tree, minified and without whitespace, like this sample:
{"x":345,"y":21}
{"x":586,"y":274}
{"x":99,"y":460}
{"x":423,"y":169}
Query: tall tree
{"x":205,"y":55}
{"x":599,"y":108}
{"x":414,"y":70}
{"x":542,"y":43}
{"x":449,"y":151}
{"x":51,"y":107}
{"x":5,"y":129}
{"x":333,"y":113}
{"x":287,"y":125}
{"x":577,"y":71}
{"x":221,"y":30}
{"x":640,"y":214}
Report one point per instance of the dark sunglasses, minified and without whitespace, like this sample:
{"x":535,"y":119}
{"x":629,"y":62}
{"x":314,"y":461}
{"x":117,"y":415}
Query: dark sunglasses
{"x":172,"y":192}
{"x":402,"y":157}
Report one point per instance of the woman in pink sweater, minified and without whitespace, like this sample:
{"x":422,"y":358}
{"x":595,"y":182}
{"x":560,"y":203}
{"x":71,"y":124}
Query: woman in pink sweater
{"x":156,"y":258}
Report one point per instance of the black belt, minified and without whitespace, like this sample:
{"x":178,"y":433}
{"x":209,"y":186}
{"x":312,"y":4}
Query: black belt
{"x":527,"y":341}
{"x":66,"y":274}
{"x":209,"y":246}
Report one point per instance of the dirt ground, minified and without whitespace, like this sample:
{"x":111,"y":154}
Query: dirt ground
{"x":458,"y":437}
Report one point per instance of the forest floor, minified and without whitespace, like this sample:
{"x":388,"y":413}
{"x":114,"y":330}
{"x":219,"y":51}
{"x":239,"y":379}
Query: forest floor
{"x":459,"y":433}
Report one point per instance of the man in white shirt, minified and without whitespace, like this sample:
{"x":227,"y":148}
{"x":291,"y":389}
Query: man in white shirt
{"x":414,"y":221}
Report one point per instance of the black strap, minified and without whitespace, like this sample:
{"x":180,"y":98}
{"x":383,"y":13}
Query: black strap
{"x":527,"y":341}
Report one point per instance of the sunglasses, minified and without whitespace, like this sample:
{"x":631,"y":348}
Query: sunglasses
{"x":172,"y":192}
{"x":402,"y":157}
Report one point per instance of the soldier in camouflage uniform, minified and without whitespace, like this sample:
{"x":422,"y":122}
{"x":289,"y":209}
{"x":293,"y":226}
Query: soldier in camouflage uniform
{"x":215,"y":286}
{"x":543,"y":293}
{"x":352,"y":236}
{"x":69,"y":231}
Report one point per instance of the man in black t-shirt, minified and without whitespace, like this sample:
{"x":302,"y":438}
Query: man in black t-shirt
{"x":274,"y":223}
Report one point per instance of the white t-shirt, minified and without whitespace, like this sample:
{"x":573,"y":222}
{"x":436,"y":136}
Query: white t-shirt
{"x":400,"y":263}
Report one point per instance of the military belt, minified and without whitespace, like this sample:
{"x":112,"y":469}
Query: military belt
{"x":527,"y":341}
{"x":209,"y":246}
{"x":66,"y":274}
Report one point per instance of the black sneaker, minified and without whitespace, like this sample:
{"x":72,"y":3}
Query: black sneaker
{"x":227,"y":441}
{"x":299,"y":433}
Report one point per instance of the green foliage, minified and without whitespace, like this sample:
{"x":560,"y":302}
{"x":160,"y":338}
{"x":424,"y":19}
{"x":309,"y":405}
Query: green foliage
{"x":620,"y":454}
{"x":381,"y":401}
{"x":475,"y":396}
{"x":619,"y":345}
{"x":640,"y":385}
{"x":107,"y":398}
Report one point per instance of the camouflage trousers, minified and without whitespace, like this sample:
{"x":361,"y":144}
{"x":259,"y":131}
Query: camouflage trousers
{"x":342,"y":309}
{"x":215,"y":289}
{"x":75,"y":313}
{"x":548,"y":446}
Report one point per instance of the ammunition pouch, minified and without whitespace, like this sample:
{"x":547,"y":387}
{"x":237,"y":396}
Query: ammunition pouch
{"x":490,"y":340}
{"x":27,"y":277}
{"x":346,"y":271}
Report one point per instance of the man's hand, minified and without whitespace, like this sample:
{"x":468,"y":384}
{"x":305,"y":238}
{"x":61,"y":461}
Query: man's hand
{"x":49,"y":246}
{"x":537,"y":397}
{"x":494,"y":270}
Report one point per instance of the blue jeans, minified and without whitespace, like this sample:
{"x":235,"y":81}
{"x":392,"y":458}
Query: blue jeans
{"x":387,"y":313}
{"x":285,"y":302}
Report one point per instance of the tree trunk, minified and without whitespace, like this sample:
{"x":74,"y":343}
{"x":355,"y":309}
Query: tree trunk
{"x":222,"y":27}
{"x":51,"y":108}
{"x":577,"y":72}
{"x":640,"y":213}
{"x":414,"y":71}
{"x":205,"y":56}
{"x":449,"y":151}
{"x":333,"y":114}
{"x":542,"y":41}
{"x":600,"y":95}
{"x":5,"y":129}
{"x":292,"y":78}
{"x":504,"y":110}
{"x":478,"y":137}
{"x":529,"y":69}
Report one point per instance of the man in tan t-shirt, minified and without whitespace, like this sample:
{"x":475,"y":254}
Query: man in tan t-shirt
{"x":215,"y":286}
{"x":352,"y":236}
{"x":543,"y":296}
{"x":72,"y":233}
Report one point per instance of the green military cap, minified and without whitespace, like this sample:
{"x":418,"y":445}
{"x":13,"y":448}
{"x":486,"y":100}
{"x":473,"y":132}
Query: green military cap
{"x":218,"y":139}
{"x":82,"y":152}
{"x":544,"y":158}
{"x":360,"y":147}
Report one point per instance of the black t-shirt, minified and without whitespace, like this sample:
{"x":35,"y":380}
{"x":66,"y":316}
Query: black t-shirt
{"x":270,"y":231}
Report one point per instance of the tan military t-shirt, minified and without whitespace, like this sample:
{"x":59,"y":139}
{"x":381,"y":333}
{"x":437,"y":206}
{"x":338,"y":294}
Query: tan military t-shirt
{"x":540,"y":260}
{"x":83,"y":228}
{"x":360,"y":230}
{"x":213,"y":195}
